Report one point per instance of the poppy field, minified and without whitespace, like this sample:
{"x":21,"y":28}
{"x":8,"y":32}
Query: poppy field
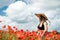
{"x":15,"y":34}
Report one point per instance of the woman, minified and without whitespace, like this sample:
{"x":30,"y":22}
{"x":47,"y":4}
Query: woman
{"x":43,"y":25}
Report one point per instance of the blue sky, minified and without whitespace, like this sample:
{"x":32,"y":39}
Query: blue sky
{"x":20,"y":13}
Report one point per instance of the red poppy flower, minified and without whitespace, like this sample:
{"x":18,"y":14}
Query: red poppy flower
{"x":4,"y":26}
{"x":0,"y":21}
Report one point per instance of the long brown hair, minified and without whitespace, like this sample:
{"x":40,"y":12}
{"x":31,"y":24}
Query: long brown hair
{"x":42,"y":19}
{"x":42,"y":16}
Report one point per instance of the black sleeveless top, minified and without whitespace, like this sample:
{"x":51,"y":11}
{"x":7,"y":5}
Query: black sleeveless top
{"x":41,"y":28}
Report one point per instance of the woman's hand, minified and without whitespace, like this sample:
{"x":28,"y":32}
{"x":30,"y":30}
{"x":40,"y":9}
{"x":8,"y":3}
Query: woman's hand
{"x":42,"y":35}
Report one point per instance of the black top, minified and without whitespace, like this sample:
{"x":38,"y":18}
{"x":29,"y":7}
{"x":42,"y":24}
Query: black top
{"x":41,"y":28}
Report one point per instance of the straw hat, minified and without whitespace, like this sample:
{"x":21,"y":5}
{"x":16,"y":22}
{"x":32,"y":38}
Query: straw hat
{"x":41,"y":15}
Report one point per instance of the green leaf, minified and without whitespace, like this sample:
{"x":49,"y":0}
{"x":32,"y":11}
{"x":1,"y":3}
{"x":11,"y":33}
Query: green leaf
{"x":4,"y":36}
{"x":14,"y":37}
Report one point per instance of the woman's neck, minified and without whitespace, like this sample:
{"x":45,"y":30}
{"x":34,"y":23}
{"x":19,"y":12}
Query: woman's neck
{"x":41,"y":22}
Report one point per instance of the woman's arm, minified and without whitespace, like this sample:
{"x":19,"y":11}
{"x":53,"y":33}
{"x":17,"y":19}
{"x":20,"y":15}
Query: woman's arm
{"x":45,"y":28}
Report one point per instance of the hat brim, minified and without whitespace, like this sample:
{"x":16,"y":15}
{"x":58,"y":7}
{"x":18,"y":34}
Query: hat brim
{"x":41,"y":15}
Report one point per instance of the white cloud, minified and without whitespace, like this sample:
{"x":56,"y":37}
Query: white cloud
{"x":20,"y":11}
{"x":6,"y":21}
{"x":15,"y":9}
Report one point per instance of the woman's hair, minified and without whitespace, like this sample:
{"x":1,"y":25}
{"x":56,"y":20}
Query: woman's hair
{"x":43,"y":19}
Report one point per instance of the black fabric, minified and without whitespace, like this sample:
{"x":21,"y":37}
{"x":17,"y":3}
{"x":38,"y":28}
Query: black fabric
{"x":41,"y":28}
